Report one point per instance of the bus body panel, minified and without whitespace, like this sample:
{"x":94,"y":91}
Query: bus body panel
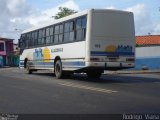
{"x":112,"y":40}
{"x":72,"y":56}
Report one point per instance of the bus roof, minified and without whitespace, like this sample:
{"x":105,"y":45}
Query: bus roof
{"x":70,"y":17}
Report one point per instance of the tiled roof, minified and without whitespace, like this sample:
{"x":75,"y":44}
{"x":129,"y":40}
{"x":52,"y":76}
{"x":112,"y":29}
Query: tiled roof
{"x":148,"y":40}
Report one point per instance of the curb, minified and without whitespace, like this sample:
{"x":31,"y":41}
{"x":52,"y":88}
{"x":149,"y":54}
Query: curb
{"x":132,"y":72}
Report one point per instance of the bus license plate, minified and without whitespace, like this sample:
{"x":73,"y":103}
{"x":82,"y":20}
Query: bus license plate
{"x":112,"y":59}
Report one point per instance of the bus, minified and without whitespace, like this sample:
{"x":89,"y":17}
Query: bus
{"x":90,"y":42}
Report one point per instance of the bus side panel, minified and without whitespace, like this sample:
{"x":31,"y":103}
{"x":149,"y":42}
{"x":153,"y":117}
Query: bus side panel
{"x":72,"y":55}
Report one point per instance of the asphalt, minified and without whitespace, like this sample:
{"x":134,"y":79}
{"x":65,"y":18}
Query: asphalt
{"x":42,"y":93}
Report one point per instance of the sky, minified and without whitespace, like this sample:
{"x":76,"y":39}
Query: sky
{"x":18,"y":15}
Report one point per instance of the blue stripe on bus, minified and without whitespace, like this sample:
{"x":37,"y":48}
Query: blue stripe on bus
{"x":99,"y":53}
{"x":65,"y":64}
{"x":74,"y":63}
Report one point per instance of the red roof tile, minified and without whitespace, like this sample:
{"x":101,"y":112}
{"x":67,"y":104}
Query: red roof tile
{"x":148,"y":40}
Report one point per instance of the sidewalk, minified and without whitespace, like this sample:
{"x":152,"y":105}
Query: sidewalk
{"x":132,"y":71}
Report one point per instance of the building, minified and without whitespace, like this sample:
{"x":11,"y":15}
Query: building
{"x":148,"y":52}
{"x":149,"y":40}
{"x":7,"y":53}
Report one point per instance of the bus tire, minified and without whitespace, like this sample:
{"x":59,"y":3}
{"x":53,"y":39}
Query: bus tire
{"x":94,"y":74}
{"x":29,"y":71}
{"x":58,"y":69}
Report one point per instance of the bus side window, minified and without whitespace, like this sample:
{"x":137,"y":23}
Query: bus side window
{"x":29,"y":39}
{"x":56,"y":32}
{"x":84,"y":24}
{"x":51,"y":31}
{"x":78,"y":23}
{"x":81,"y":28}
{"x":61,"y":33}
{"x":66,"y":31}
{"x":43,"y":36}
{"x":72,"y":32}
{"x":69,"y":31}
{"x":32,"y":39}
{"x":39,"y":37}
{"x":47,"y":35}
{"x":35,"y":38}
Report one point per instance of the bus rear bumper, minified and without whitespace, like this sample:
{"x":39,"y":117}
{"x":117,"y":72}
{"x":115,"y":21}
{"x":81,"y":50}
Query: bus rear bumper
{"x":110,"y":65}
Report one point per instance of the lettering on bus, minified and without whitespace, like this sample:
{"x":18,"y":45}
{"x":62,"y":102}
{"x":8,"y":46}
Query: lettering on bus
{"x":57,"y":50}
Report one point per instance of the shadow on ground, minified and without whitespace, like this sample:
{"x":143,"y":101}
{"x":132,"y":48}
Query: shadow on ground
{"x":106,"y":78}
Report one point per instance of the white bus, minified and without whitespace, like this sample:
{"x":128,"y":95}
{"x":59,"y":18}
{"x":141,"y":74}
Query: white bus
{"x":90,"y":42}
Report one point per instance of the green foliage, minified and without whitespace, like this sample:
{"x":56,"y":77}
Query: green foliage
{"x":137,"y":45}
{"x":63,"y":12}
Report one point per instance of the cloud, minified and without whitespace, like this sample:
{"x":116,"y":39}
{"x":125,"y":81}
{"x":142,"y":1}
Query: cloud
{"x":19,"y":14}
{"x":110,"y":7}
{"x":47,"y":15}
{"x":11,"y":9}
{"x":40,"y":16}
{"x":142,"y":17}
{"x":156,"y":29}
{"x":144,"y":23}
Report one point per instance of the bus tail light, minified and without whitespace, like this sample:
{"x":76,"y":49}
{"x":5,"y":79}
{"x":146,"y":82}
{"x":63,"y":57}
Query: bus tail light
{"x":95,"y":59}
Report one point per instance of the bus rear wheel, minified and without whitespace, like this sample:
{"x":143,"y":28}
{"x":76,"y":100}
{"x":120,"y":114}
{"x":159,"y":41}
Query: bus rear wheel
{"x":94,"y":74}
{"x":58,"y":69}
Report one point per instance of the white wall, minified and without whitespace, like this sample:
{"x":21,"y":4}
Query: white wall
{"x":148,"y":52}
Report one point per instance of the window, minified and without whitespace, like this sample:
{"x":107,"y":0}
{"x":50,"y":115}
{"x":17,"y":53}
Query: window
{"x":35,"y":38}
{"x":29,"y":39}
{"x":1,"y":46}
{"x":55,"y":38}
{"x":51,"y":33}
{"x":47,"y":32}
{"x":51,"y":30}
{"x":66,"y":27}
{"x":41,"y":37}
{"x":78,"y":23}
{"x":84,"y":22}
{"x":61,"y":29}
{"x":81,"y":28}
{"x":79,"y":34}
{"x":56,"y":29}
{"x":66,"y":36}
{"x":32,"y":39}
{"x":60,"y":38}
{"x":58,"y":33}
{"x":69,"y":31}
{"x":23,"y":42}
{"x":71,"y":26}
{"x":71,"y":36}
{"x":47,"y":35}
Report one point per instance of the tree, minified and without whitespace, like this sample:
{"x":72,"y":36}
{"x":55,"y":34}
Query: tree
{"x":63,"y":11}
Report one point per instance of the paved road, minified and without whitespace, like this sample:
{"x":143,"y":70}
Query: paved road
{"x":43,"y":93}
